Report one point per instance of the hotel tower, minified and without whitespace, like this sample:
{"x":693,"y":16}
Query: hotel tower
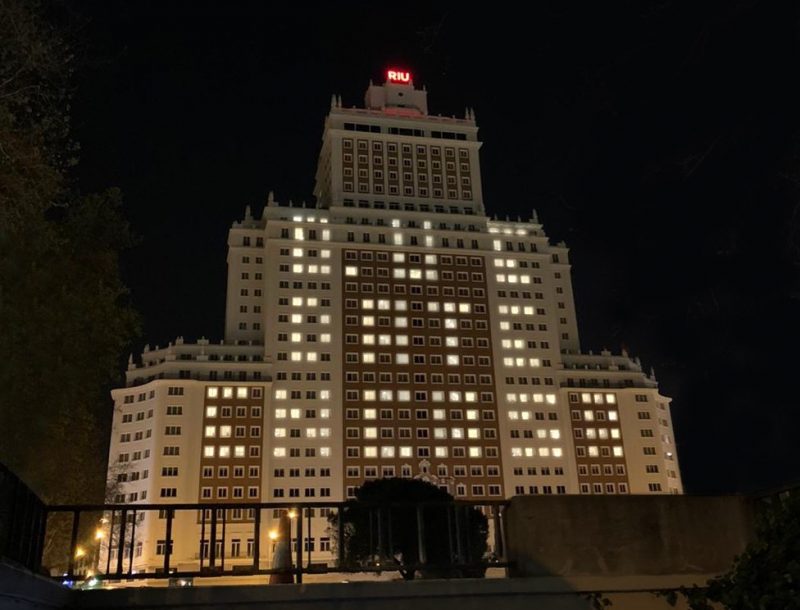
{"x":392,"y":329}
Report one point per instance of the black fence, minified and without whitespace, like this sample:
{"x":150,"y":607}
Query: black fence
{"x":23,"y":520}
{"x":438,"y":538}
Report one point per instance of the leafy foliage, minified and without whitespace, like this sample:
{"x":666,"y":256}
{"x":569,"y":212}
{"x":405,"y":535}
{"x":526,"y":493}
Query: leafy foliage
{"x":381,"y":528}
{"x":767,"y":575}
{"x":64,"y":319}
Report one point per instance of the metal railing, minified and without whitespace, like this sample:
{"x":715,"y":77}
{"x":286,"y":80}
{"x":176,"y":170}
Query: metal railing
{"x":210,"y":525}
{"x":23,"y":519}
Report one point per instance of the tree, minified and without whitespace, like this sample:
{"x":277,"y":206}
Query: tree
{"x":381,"y":529}
{"x":766,"y":576}
{"x":64,"y":317}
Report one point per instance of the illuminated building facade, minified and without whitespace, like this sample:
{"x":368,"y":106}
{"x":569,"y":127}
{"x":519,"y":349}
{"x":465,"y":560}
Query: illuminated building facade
{"x":392,"y":330}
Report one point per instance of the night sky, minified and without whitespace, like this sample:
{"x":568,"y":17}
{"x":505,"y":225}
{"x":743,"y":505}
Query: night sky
{"x":658,"y":139}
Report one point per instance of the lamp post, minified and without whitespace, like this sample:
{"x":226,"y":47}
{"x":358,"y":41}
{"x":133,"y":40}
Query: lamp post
{"x":282,"y":554}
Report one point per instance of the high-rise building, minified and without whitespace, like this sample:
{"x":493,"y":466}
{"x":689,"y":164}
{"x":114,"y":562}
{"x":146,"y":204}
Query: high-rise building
{"x":391,"y":330}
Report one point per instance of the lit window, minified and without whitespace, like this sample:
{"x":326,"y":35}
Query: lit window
{"x":211,"y":431}
{"x":371,"y":452}
{"x":211,"y":411}
{"x":212,"y":392}
{"x":279,"y":452}
{"x":351,"y":271}
{"x":475,"y":452}
{"x":208,"y":451}
{"x":280,"y":432}
{"x":280,"y":413}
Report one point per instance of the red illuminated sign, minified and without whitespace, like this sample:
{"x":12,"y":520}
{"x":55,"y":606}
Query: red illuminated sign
{"x":398,"y":76}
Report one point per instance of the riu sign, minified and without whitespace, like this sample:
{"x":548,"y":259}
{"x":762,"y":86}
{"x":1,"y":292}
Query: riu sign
{"x":398,"y":76}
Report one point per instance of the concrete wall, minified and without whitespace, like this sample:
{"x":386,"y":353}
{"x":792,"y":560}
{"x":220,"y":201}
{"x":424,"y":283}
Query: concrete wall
{"x":624,"y":536}
{"x":23,"y":590}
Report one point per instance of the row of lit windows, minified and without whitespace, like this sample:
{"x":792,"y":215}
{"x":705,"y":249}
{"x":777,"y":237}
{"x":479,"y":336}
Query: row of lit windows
{"x":403,"y":273}
{"x":402,"y":322}
{"x":297,"y":413}
{"x":309,"y":337}
{"x":304,"y":301}
{"x":418,"y":396}
{"x":513,"y":278}
{"x":541,"y":433}
{"x":301,"y":252}
{"x":226,"y":451}
{"x":533,"y":490}
{"x":538,"y":398}
{"x":435,"y":378}
{"x":371,"y":472}
{"x":213,"y":411}
{"x":416,"y":340}
{"x":402,"y":305}
{"x":305,"y":269}
{"x":304,"y":356}
{"x":519,"y":361}
{"x":590,"y":415}
{"x":593,"y":433}
{"x":421,"y":414}
{"x":515,"y":310}
{"x":300,"y":234}
{"x":297,"y":318}
{"x":228,"y":392}
{"x":597,"y":398}
{"x":438,"y":433}
{"x":227,"y":431}
{"x":595,"y":451}
{"x":405,"y":451}
{"x":403,"y":257}
{"x":526,"y":415}
{"x":556,"y":452}
{"x":281,"y":394}
{"x":308,"y":433}
{"x":403,"y":359}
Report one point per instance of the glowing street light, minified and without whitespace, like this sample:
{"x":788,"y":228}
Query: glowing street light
{"x":292,"y":514}
{"x":99,"y":534}
{"x":79,"y":552}
{"x":273,"y":534}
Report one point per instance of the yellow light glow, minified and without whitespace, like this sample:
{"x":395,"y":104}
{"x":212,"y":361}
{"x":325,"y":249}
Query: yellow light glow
{"x":273,"y":534}
{"x":99,"y":534}
{"x":79,"y":552}
{"x":292,"y":514}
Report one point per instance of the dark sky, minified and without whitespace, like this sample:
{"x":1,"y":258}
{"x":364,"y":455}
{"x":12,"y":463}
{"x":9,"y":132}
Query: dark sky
{"x":658,"y":139}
